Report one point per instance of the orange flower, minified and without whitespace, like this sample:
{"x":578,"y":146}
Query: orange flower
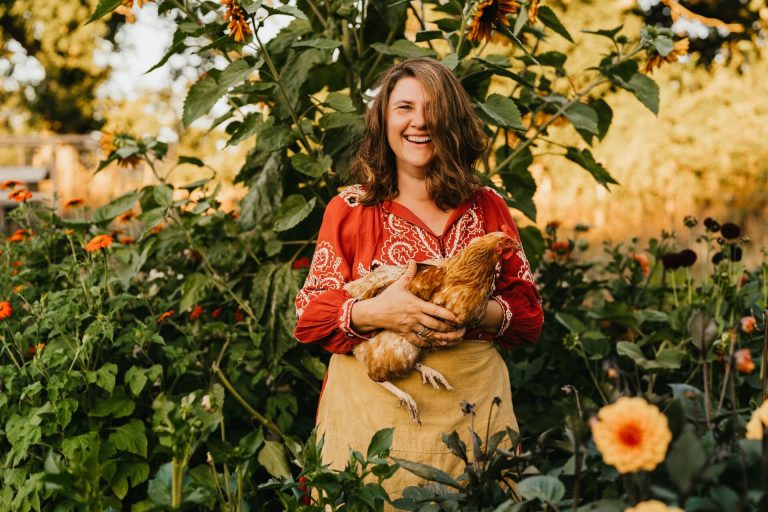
{"x":533,"y":11}
{"x":74,"y":203}
{"x":642,"y":260}
{"x":17,"y":263}
{"x":39,"y":348}
{"x":98,"y":242}
{"x":126,"y":240}
{"x":488,"y":13}
{"x":656,"y":60}
{"x":20,"y":195}
{"x":9,"y":184}
{"x":195,"y":313}
{"x":165,"y":315}
{"x":107,"y":143}
{"x":631,"y":434}
{"x":5,"y":310}
{"x":127,"y":216}
{"x":18,"y":236}
{"x":155,"y":230}
{"x":18,"y":288}
{"x":68,"y":232}
{"x":748,"y":324}
{"x":238,"y":22}
{"x":743,"y":361}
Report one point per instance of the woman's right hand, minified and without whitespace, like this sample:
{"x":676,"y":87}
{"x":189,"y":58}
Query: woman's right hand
{"x":398,"y":310}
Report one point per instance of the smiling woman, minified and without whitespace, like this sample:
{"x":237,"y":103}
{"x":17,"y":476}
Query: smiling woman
{"x":418,"y":198}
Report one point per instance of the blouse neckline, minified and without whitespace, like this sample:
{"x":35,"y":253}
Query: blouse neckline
{"x":406,"y":214}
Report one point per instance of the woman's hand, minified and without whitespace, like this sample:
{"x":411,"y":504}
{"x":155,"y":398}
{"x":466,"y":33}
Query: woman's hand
{"x":398,"y":310}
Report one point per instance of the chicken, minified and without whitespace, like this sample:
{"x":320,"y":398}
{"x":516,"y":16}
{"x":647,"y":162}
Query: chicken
{"x":463,"y":284}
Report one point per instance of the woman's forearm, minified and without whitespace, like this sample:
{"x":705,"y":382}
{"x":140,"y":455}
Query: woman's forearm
{"x":493,"y":317}
{"x":363,"y":317}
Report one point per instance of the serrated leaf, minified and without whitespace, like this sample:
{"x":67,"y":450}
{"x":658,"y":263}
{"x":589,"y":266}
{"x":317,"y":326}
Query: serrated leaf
{"x":503,"y":111}
{"x":104,"y":8}
{"x":272,"y":457}
{"x":293,"y":210}
{"x":130,"y":437}
{"x":313,"y":168}
{"x":340,"y":102}
{"x":289,"y":10}
{"x":403,"y":48}
{"x":549,"y":19}
{"x":104,"y":377}
{"x":585,"y":159}
{"x":115,"y":207}
{"x":201,"y":98}
{"x":583,"y":117}
{"x":233,"y":74}
{"x":547,"y":489}
{"x":251,"y":125}
{"x":338,"y":120}
{"x":323,"y":44}
{"x":645,"y":89}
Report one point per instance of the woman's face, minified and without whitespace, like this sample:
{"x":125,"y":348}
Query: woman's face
{"x":407,"y":131}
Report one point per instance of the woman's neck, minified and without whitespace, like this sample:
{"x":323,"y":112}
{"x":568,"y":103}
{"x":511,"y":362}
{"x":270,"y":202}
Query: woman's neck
{"x":412,"y":187}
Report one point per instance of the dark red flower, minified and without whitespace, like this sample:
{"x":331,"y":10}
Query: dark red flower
{"x":736,"y":253}
{"x":671,"y":261}
{"x":687,"y":258}
{"x":300,"y":263}
{"x":711,"y":224}
{"x":730,"y":231}
{"x":195,"y":313}
{"x":215,"y":313}
{"x":238,"y":316}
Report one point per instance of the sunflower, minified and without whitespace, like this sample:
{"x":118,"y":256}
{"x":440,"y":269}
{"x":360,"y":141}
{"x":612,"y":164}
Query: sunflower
{"x":656,"y":60}
{"x":238,"y":22}
{"x":631,"y":434}
{"x":5,"y":310}
{"x":489,"y":12}
{"x":652,"y":506}
{"x":758,"y":422}
{"x":98,"y":243}
{"x":74,"y":203}
{"x":533,"y":11}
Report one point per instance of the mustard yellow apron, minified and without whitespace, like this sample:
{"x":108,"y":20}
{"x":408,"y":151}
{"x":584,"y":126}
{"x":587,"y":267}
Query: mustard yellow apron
{"x":353,"y":408}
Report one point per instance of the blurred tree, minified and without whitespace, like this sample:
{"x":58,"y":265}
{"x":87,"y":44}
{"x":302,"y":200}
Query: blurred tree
{"x":52,"y":33}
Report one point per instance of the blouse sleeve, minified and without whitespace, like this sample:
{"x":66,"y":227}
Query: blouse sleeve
{"x":515,"y":292}
{"x":323,"y":307}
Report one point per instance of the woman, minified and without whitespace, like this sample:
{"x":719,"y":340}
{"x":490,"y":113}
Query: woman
{"x":418,"y":197}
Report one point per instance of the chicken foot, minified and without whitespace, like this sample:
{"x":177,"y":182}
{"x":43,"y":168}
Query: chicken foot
{"x":405,"y":399}
{"x":433,"y":376}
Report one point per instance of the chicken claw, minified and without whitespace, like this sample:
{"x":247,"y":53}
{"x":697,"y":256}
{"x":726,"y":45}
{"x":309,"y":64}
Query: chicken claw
{"x":405,"y":399}
{"x":433,"y":376}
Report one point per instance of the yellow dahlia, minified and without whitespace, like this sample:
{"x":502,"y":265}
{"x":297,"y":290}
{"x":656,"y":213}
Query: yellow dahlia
{"x":758,"y":422}
{"x":652,"y":506}
{"x":488,"y":14}
{"x":631,"y":434}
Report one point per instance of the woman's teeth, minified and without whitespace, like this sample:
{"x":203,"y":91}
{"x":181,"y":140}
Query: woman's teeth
{"x":418,"y":140}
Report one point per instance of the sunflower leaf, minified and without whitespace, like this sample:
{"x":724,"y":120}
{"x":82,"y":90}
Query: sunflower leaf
{"x":549,"y":19}
{"x":503,"y":111}
{"x":585,"y":159}
{"x":104,"y":8}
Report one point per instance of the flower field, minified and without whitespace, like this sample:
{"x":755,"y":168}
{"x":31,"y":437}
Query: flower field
{"x":148,"y":359}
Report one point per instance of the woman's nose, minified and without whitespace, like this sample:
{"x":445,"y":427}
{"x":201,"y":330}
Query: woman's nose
{"x":418,"y":120}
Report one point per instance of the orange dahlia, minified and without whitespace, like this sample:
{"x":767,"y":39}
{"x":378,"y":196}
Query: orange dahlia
{"x":652,"y":506}
{"x":5,"y":310}
{"x":656,"y":60}
{"x":631,"y":434}
{"x":758,"y":422}
{"x":488,"y":13}
{"x":642,"y":260}
{"x":127,"y":216}
{"x":743,"y":362}
{"x":18,"y":236}
{"x":165,"y":315}
{"x":126,"y":240}
{"x":98,"y":243}
{"x":748,"y":324}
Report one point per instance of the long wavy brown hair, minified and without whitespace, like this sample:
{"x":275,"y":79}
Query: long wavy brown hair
{"x":457,"y":136}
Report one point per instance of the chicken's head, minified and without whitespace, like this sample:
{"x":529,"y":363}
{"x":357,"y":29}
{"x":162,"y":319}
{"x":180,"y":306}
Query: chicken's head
{"x":506,"y":245}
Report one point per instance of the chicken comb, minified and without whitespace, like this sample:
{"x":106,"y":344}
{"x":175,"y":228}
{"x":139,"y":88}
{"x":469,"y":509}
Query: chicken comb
{"x":508,"y":230}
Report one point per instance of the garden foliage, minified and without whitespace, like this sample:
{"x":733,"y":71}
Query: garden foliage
{"x":148,"y":361}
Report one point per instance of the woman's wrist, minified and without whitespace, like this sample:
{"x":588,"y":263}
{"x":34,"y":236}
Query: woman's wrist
{"x":494,"y":314}
{"x":362,"y":316}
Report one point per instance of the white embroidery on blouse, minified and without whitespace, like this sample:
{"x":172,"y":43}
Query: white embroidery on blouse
{"x":506,"y":319}
{"x":351,"y":194}
{"x":324,"y":274}
{"x":490,"y":189}
{"x":525,"y":267}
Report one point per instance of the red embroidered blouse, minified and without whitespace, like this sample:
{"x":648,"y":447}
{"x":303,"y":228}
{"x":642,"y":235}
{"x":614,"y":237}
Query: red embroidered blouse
{"x":354,"y":238}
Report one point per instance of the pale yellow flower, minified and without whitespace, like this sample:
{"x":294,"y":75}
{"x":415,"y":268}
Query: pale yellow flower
{"x":652,"y":506}
{"x":758,"y":422}
{"x":631,"y":434}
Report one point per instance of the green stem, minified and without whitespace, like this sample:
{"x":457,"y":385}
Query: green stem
{"x":177,"y":482}
{"x":592,"y":377}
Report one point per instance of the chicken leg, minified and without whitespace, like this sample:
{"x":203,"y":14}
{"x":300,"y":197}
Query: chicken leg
{"x":433,"y":376}
{"x":428,"y":374}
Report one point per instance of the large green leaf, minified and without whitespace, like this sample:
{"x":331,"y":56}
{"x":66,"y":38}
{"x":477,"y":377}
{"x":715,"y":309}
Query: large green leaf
{"x":403,"y":48}
{"x":272,"y":456}
{"x":128,"y":475}
{"x":104,"y":377}
{"x":309,"y":166}
{"x":686,"y":459}
{"x":380,"y":443}
{"x":583,"y":117}
{"x":130,"y":437}
{"x":585,"y":159}
{"x":430,"y":473}
{"x":193,"y":291}
{"x":104,"y":8}
{"x":251,"y":125}
{"x":503,"y":111}
{"x":645,"y":89}
{"x":201,"y":98}
{"x":293,"y":210}
{"x":547,"y":489}
{"x":115,"y":207}
{"x":549,"y":19}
